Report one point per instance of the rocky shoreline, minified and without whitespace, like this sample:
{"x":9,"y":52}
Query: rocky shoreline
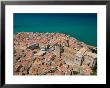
{"x":52,"y":54}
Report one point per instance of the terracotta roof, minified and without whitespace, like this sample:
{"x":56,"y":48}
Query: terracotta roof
{"x":86,"y":69}
{"x":46,"y":63}
{"x":62,"y":68}
{"x":56,"y":42}
{"x":57,"y":72}
{"x":37,"y":61}
{"x":24,"y":62}
{"x":49,"y":56}
{"x":68,"y":72}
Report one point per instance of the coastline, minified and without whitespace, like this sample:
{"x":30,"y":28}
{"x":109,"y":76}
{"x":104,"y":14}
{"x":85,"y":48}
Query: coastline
{"x":89,"y":44}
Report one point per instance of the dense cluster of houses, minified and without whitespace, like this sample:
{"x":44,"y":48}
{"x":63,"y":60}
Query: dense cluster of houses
{"x":52,"y":54}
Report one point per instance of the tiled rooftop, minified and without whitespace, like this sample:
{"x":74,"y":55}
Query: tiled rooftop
{"x":42,"y":60}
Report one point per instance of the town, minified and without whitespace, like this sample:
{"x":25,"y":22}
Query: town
{"x":43,"y":53}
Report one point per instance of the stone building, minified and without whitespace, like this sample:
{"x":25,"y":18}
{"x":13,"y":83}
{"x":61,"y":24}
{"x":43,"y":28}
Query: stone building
{"x":57,"y":51}
{"x":68,"y":58}
{"x":69,"y":50}
{"x":79,"y":56}
{"x":90,"y":59}
{"x":85,"y":70}
{"x":69,"y":55}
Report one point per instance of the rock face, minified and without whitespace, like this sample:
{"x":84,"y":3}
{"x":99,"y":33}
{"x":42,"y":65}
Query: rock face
{"x":52,"y":54}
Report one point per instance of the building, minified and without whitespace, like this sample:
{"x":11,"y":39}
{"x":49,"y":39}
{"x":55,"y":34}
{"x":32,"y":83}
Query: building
{"x":85,"y":70}
{"x":68,"y":58}
{"x":90,"y":59}
{"x":81,"y":52}
{"x":72,"y":57}
{"x":76,"y":68}
{"x":57,"y":51}
{"x":79,"y":56}
{"x":69,"y":50}
{"x":49,"y":56}
{"x":77,"y":60}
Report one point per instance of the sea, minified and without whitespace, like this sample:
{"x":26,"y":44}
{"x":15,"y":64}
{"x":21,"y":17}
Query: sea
{"x":82,"y":26}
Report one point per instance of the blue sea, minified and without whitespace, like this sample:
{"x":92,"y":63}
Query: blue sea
{"x":82,"y":26}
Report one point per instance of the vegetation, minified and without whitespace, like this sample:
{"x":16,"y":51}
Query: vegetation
{"x":94,"y":69}
{"x":75,"y":72}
